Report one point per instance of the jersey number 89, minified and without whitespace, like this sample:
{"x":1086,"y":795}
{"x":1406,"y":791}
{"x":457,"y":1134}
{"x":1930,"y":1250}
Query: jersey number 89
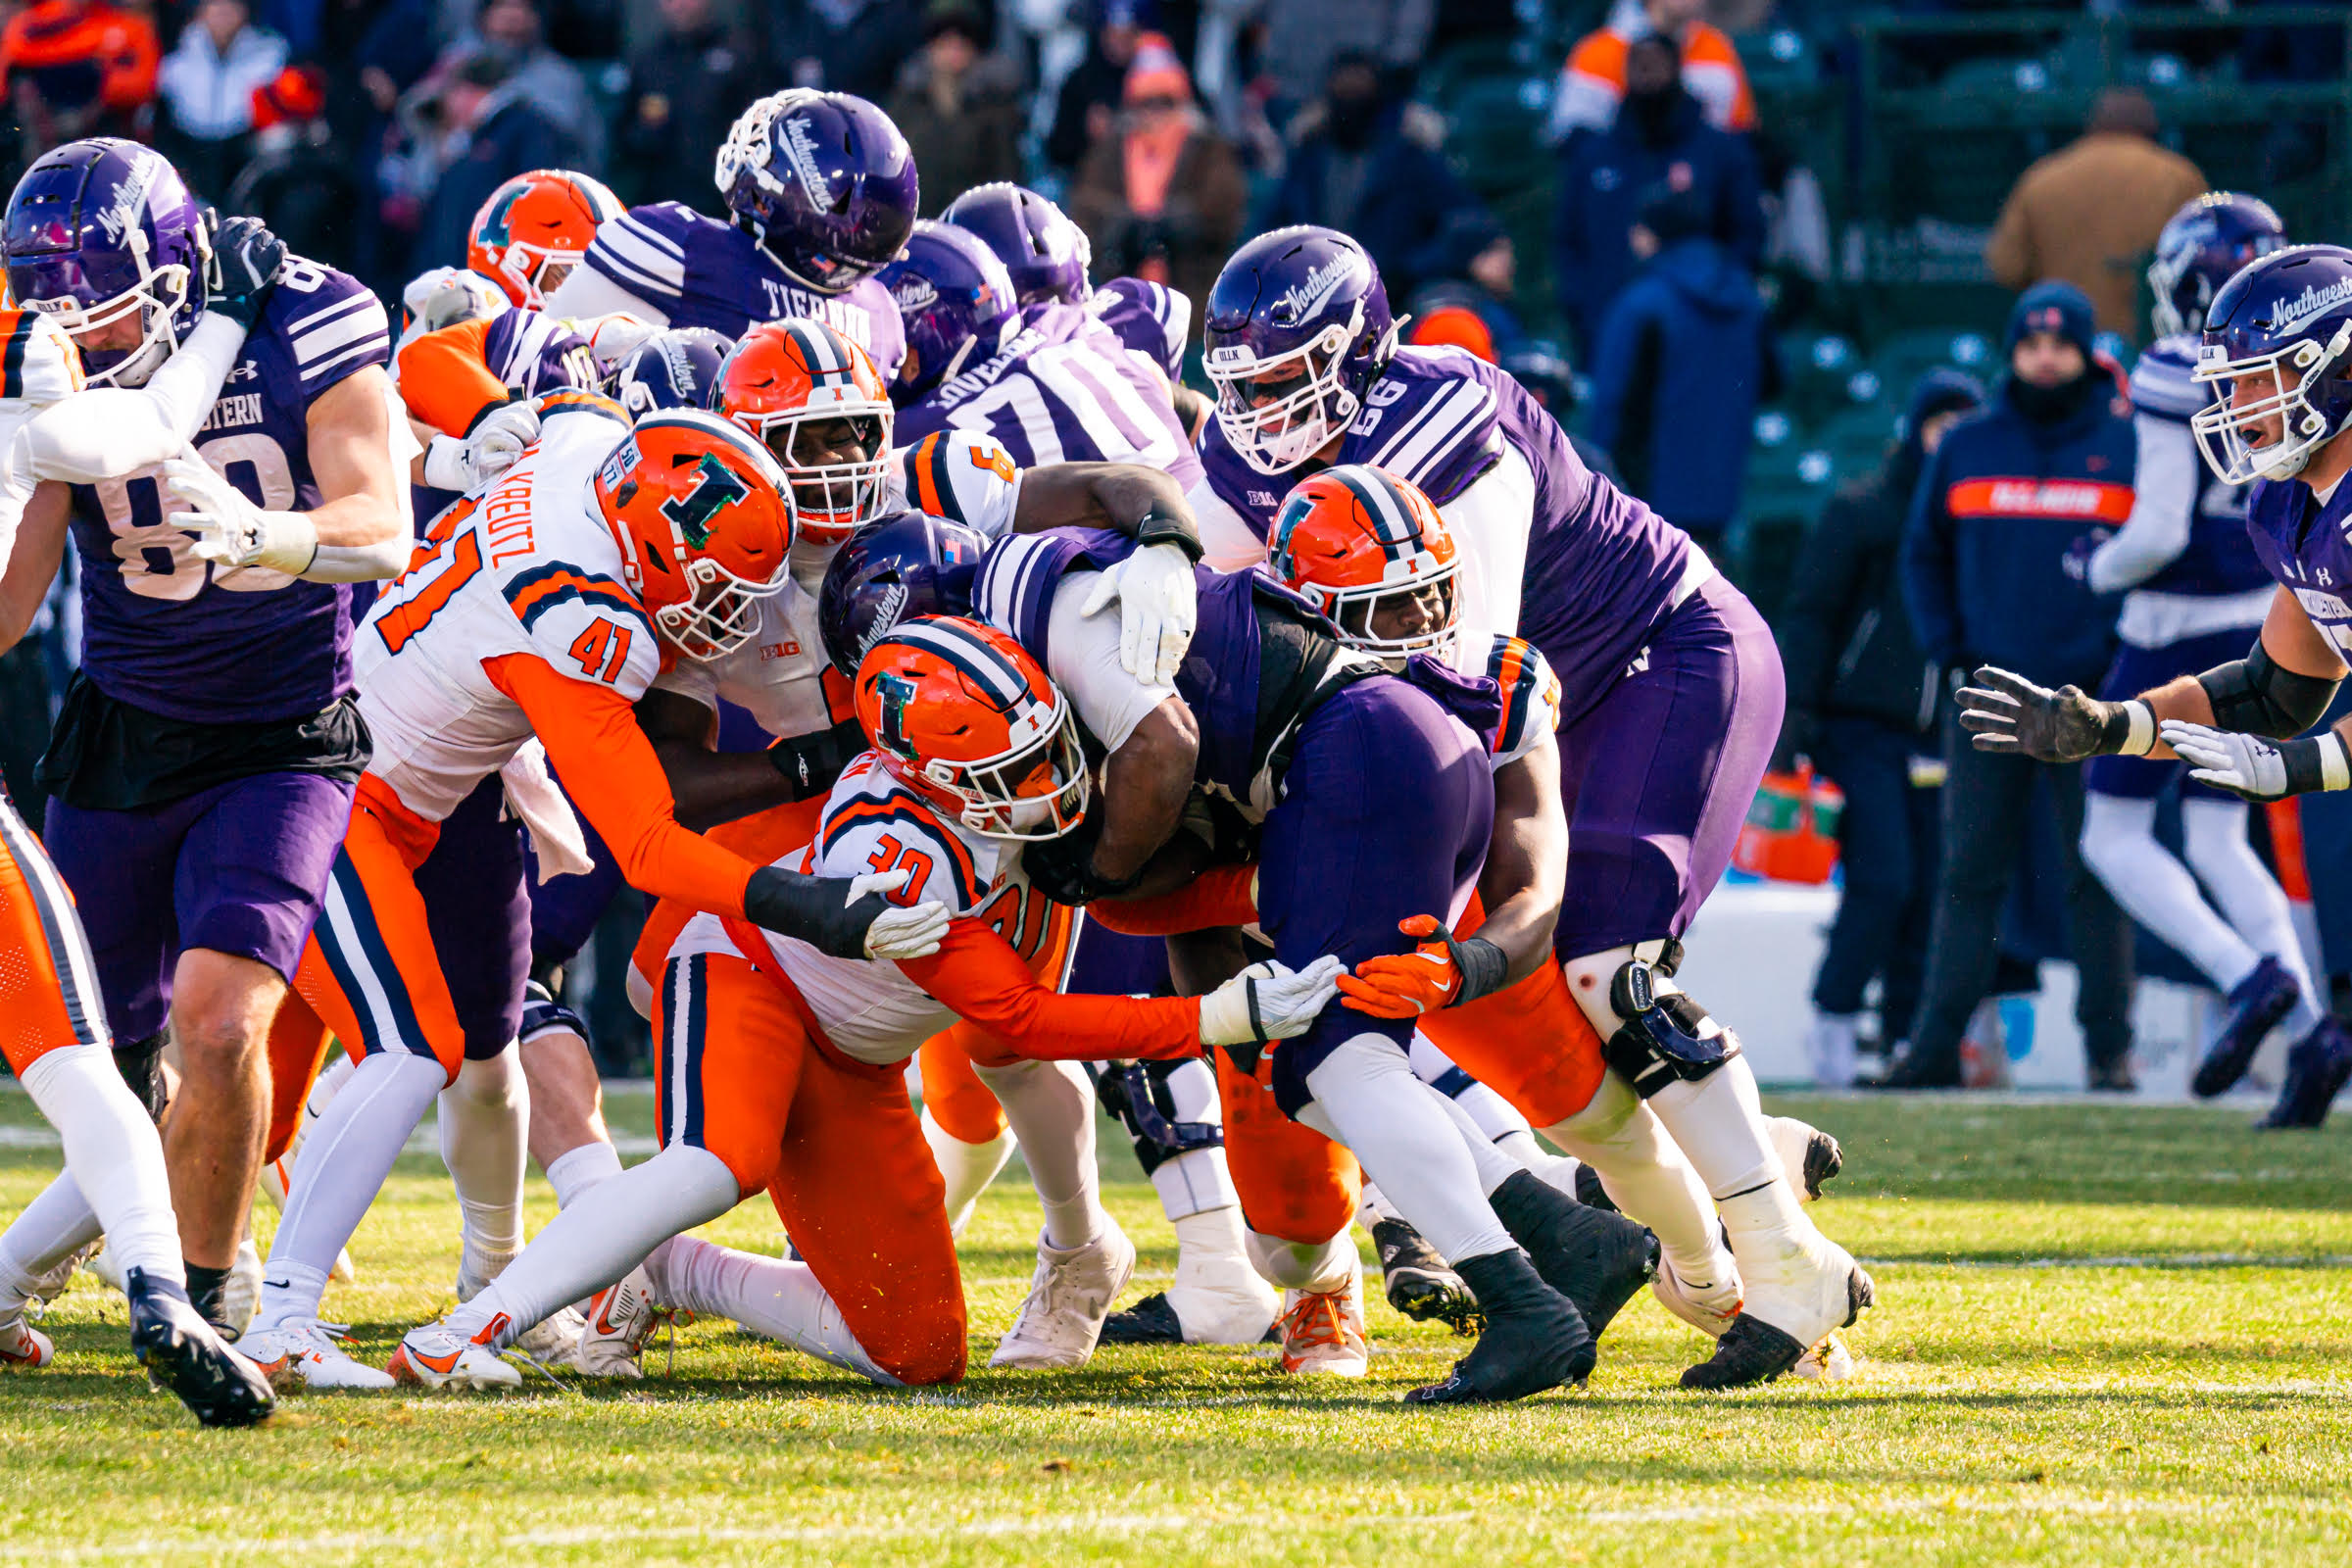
{"x":159,"y":560}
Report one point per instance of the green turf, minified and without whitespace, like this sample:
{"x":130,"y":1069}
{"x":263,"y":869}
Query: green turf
{"x":2106,"y":1336}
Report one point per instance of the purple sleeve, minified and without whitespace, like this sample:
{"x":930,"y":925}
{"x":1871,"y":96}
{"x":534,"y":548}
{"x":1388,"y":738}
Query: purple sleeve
{"x":333,"y":325}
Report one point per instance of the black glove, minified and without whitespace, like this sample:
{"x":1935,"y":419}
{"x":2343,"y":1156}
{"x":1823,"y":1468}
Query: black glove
{"x":814,"y":908}
{"x":247,"y":260}
{"x":2006,"y":712}
{"x":1064,"y":868}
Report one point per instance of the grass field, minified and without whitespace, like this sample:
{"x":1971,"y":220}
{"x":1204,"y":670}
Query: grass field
{"x":2106,"y":1335}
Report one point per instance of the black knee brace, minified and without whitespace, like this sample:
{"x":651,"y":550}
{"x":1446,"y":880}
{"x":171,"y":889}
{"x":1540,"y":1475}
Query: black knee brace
{"x":1137,"y":1093}
{"x":541,"y":1011}
{"x":141,"y":1064}
{"x":1665,"y":1038}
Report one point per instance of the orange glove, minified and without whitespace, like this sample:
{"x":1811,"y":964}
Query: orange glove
{"x":1407,"y":985}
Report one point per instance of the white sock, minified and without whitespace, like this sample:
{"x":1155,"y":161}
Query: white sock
{"x":967,"y":1168}
{"x":601,"y":1238}
{"x":1368,"y":1099}
{"x":1319,"y":1266}
{"x":2214,"y":835}
{"x":485,"y":1116}
{"x":59,"y":1220}
{"x":115,"y":1153}
{"x":1647,"y":1175}
{"x":768,"y":1295}
{"x":577,"y":1170}
{"x":341,"y":1168}
{"x":2119,"y":840}
{"x":1050,"y":1107}
{"x":1371,"y":1208}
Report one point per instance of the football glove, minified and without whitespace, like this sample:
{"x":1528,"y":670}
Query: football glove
{"x":2259,"y":769}
{"x":493,"y":446}
{"x":247,"y":260}
{"x":230,"y":530}
{"x":1267,"y":1002}
{"x":1157,"y":606}
{"x":2006,"y":712}
{"x":1438,"y":973}
{"x":899,"y":931}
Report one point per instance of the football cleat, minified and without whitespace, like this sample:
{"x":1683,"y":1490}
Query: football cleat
{"x":1591,"y":1191}
{"x":434,"y":1357}
{"x":1534,"y":1338}
{"x":2255,"y":1005}
{"x":1830,"y":1361}
{"x":1754,"y":1351}
{"x":1069,"y":1296}
{"x":1595,"y":1258}
{"x":52,"y":1282}
{"x":1707,"y":1305}
{"x":24,"y":1348}
{"x":181,"y":1353}
{"x":1150,"y":1321}
{"x":2316,"y":1070}
{"x":554,"y":1341}
{"x":241,"y":1290}
{"x":1323,"y":1332}
{"x":1808,"y":1155}
{"x":303,"y":1353}
{"x":614,"y":1330}
{"x":1417,"y":1281}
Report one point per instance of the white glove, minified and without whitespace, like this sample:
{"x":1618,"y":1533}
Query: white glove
{"x":231,"y":532}
{"x":1267,"y":1002}
{"x":492,"y":447}
{"x":913,"y":932}
{"x":1157,"y":606}
{"x":2257,"y":768}
{"x":613,"y":338}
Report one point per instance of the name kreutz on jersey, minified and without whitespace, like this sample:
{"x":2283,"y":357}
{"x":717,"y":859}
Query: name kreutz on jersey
{"x":2220,"y":559}
{"x":1064,"y":390}
{"x":166,"y":632}
{"x":698,"y":271}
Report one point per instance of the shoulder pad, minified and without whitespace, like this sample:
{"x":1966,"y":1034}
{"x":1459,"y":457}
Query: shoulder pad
{"x":644,"y":248}
{"x":39,"y":363}
{"x":965,"y":477}
{"x":1437,"y":425}
{"x":869,"y":825}
{"x":1531,"y":698}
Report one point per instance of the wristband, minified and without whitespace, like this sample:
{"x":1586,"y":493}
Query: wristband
{"x":1159,"y":526}
{"x":1483,"y":966}
{"x":2138,"y":729}
{"x":814,"y":909}
{"x":2315,"y":763}
{"x":815,"y":762}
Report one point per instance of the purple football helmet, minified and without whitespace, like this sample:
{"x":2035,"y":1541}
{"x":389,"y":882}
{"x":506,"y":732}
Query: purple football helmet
{"x":823,"y":180}
{"x":1044,"y":254}
{"x":1298,"y":329}
{"x":676,"y":368}
{"x":2284,"y":325}
{"x":2202,"y":247}
{"x":955,"y":301}
{"x":898,"y":566}
{"x":103,"y":229}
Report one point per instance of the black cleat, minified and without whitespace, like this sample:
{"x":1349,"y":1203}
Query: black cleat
{"x":181,"y":1353}
{"x":1911,"y":1070}
{"x":2315,"y":1071}
{"x":1595,"y":1258}
{"x":1591,"y":1191}
{"x":1534,"y":1338}
{"x":1417,"y":1281}
{"x":1752,"y":1350}
{"x":2256,"y":1004}
{"x":1823,"y":1159}
{"x":1150,"y":1321}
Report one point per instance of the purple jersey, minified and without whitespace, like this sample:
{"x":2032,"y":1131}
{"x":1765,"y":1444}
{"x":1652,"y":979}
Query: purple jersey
{"x":1064,"y":390}
{"x":1601,"y":568}
{"x":533,"y":353}
{"x":2220,"y":557}
{"x":166,"y":632}
{"x":702,"y":272}
{"x":1150,"y":318}
{"x":2307,"y":549}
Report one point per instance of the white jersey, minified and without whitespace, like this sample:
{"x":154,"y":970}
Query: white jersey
{"x":525,"y":567}
{"x":870,"y":1010}
{"x":782,"y":677}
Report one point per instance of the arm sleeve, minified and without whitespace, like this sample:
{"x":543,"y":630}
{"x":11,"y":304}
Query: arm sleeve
{"x":1084,"y":661}
{"x":103,"y":432}
{"x":2166,"y":480}
{"x":444,"y":380}
{"x":591,"y":733}
{"x":976,"y":972}
{"x":1221,"y":896}
{"x":1928,"y":567}
{"x":587,"y":294}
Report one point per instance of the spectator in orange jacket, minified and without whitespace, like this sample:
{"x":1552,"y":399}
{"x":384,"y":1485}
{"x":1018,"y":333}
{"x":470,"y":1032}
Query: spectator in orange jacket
{"x":78,"y":68}
{"x":1592,"y":83}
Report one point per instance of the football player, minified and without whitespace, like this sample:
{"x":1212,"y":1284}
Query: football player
{"x":543,"y":607}
{"x":782,"y":1066}
{"x":1669,"y":702}
{"x":58,"y":1045}
{"x":1329,"y":753}
{"x":2277,"y":348}
{"x":2196,"y":593}
{"x":820,"y":193}
{"x":204,"y":761}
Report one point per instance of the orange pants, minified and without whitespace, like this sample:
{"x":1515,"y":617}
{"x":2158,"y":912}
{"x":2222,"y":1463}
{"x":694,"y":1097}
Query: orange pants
{"x":1295,"y":1183}
{"x":49,"y":995}
{"x":369,"y":971}
{"x":1530,"y":1043}
{"x":298,"y":1046}
{"x":743,"y":1073}
{"x":762,"y":837}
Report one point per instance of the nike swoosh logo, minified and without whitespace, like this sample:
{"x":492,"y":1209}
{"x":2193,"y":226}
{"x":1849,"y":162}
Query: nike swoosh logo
{"x":279,"y":1284}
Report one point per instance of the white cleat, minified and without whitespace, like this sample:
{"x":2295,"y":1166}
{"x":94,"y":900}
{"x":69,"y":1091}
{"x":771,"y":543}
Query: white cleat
{"x":241,"y":1290}
{"x":434,"y":1357}
{"x":1323,"y":1332}
{"x":1808,"y":1155}
{"x":24,"y":1348}
{"x":105,"y":1269}
{"x":555,"y":1341}
{"x":301,"y":1352}
{"x":1069,"y":1296}
{"x":619,"y":1319}
{"x":1707,"y":1305}
{"x":1830,"y":1361}
{"x":52,"y":1282}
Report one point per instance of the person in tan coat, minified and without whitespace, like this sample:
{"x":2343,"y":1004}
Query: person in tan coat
{"x":2088,"y":212}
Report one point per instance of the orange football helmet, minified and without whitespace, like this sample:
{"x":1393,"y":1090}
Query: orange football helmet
{"x":786,"y":378}
{"x":1352,"y":538}
{"x":704,"y":527}
{"x":963,"y":715}
{"x":534,"y":229}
